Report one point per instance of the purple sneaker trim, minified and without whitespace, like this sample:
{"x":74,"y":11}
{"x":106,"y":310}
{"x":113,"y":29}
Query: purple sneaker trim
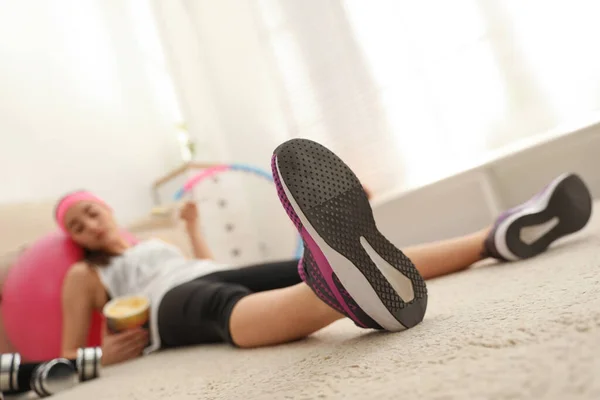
{"x":315,"y":280}
{"x":489,"y":247}
{"x":301,"y":270}
{"x":327,"y":273}
{"x":503,"y":216}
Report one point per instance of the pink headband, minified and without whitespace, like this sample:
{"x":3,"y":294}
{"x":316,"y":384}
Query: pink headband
{"x":70,"y":200}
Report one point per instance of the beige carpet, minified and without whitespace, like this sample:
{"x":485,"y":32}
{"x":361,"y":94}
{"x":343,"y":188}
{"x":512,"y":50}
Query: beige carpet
{"x":527,"y":330}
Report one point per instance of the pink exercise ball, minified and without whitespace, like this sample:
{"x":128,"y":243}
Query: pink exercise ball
{"x":31,"y":298}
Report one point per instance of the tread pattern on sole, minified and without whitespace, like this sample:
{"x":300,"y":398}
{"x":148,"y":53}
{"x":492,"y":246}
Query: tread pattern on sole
{"x":334,"y":201}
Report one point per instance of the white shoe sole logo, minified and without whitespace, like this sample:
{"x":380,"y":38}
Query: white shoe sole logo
{"x":401,"y":284}
{"x":531,"y":234}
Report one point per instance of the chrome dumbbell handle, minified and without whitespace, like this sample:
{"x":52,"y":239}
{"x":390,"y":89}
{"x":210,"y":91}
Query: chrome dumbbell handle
{"x":10,"y":364}
{"x":88,"y":363}
{"x":53,"y":377}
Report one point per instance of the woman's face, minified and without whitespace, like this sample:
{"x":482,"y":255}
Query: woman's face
{"x":91,"y":225}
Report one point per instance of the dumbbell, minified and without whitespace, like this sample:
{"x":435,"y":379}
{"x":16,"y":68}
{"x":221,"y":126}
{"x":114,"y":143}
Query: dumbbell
{"x":53,"y":377}
{"x":88,"y":363}
{"x":47,"y":378}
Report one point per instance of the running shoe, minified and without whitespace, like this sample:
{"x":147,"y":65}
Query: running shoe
{"x":347,"y":262}
{"x":563,"y":207}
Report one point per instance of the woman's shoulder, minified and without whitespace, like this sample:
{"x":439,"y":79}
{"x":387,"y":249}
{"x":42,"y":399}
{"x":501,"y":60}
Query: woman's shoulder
{"x":81,"y":271}
{"x":81,"y":277}
{"x":83,"y":282}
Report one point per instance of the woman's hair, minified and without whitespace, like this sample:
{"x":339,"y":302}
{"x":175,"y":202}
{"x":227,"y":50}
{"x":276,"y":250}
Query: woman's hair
{"x":98,"y":258}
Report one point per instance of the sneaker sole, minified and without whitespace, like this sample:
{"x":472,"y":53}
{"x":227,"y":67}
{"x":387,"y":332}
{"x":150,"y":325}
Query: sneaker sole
{"x":563,"y":208}
{"x":333,"y":214}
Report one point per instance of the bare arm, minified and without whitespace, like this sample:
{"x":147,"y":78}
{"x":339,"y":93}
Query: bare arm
{"x":79,"y":297}
{"x":199,"y":246}
{"x":83,"y":293}
{"x":189,"y":213}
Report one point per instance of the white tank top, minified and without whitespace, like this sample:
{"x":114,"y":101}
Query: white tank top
{"x":152,"y":268}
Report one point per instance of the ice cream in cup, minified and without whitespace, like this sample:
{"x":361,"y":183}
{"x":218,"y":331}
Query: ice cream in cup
{"x":127,"y":312}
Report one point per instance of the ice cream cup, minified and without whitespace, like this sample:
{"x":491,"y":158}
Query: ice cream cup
{"x":128,"y":312}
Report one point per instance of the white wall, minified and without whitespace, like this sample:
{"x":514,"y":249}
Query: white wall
{"x":474,"y":198}
{"x":77,"y":108}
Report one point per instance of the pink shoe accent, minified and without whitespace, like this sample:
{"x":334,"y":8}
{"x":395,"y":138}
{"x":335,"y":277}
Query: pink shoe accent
{"x":327,"y":273}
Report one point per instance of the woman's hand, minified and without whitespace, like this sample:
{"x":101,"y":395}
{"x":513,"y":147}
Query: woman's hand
{"x":123,"y":346}
{"x":189,"y":213}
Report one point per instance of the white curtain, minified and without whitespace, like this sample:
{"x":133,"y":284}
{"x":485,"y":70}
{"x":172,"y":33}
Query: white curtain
{"x":410,"y":91}
{"x":329,"y":93}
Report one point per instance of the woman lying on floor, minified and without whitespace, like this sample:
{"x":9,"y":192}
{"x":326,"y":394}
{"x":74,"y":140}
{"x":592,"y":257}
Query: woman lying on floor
{"x":348,"y":269}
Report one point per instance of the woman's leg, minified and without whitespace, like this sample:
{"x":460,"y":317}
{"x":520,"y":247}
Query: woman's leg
{"x":448,"y":256}
{"x":279,"y":316}
{"x":283,"y":310}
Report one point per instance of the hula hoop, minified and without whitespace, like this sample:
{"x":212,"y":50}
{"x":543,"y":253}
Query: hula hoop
{"x":218,"y":169}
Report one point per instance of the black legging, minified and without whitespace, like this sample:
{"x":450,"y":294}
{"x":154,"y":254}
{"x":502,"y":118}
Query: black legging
{"x":198,"y":311}
{"x":260,"y":277}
